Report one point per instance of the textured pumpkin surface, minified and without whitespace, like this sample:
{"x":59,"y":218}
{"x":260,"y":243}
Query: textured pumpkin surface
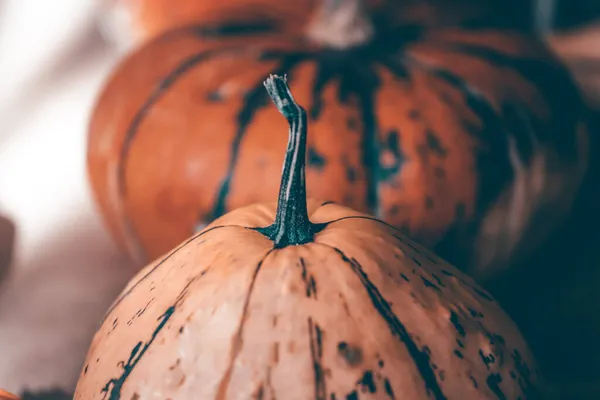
{"x":360,"y":312}
{"x":457,"y":137}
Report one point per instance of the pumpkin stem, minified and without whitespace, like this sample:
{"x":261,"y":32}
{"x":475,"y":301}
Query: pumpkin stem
{"x":341,"y":24}
{"x":292,"y":225}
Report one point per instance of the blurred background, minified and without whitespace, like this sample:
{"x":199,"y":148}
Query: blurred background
{"x":64,"y":269}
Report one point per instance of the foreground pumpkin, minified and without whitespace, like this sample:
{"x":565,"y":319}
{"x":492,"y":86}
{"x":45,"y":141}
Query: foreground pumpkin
{"x":459,"y":137}
{"x":338,"y":306}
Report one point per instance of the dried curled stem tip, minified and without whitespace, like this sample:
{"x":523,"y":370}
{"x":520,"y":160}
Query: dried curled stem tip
{"x":281,"y":95}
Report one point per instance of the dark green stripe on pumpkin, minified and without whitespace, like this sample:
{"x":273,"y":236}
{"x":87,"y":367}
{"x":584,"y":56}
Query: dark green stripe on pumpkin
{"x":397,"y":328}
{"x":554,"y":84}
{"x":316,"y":353}
{"x":132,"y":131}
{"x":218,"y":31}
{"x":114,"y":386}
{"x":354,"y":71}
{"x":493,"y":165}
{"x":236,"y":29}
{"x":157,"y":266}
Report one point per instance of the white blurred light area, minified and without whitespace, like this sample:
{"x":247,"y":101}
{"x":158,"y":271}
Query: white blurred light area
{"x":66,"y":270}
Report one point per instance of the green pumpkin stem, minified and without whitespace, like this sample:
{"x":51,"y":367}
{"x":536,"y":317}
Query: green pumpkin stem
{"x":292,"y":225}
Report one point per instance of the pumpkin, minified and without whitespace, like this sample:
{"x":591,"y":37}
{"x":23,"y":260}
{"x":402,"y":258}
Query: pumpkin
{"x":323,"y":303}
{"x":4,"y":395}
{"x":459,"y":137}
{"x":140,"y":20}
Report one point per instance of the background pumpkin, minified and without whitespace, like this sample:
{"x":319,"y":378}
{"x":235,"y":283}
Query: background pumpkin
{"x":459,"y":137}
{"x":139,"y":20}
{"x":343,"y":303}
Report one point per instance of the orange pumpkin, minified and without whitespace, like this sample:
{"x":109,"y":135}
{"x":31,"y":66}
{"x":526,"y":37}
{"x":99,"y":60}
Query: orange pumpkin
{"x":458,"y":137}
{"x":4,"y":395}
{"x":146,"y":19}
{"x":325,"y":307}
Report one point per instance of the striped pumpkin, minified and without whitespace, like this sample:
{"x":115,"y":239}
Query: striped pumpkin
{"x":267,"y":303}
{"x":458,"y":137}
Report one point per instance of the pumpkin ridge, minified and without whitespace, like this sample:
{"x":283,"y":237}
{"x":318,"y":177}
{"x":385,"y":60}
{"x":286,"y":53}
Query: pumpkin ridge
{"x":160,"y":89}
{"x":533,"y":70}
{"x":237,"y":341}
{"x":492,"y":178}
{"x":363,"y":85}
{"x":139,"y":350}
{"x":539,"y":74}
{"x":397,"y":328}
{"x":528,"y":67}
{"x":494,"y":168}
{"x":115,"y":385}
{"x":365,"y":91}
{"x":158,"y":264}
{"x":165,"y":84}
{"x":236,"y":28}
{"x":223,"y":30}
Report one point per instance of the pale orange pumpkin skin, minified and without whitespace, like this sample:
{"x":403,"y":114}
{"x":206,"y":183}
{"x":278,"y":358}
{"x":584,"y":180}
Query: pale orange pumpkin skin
{"x":323,"y":303}
{"x":225,"y":310}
